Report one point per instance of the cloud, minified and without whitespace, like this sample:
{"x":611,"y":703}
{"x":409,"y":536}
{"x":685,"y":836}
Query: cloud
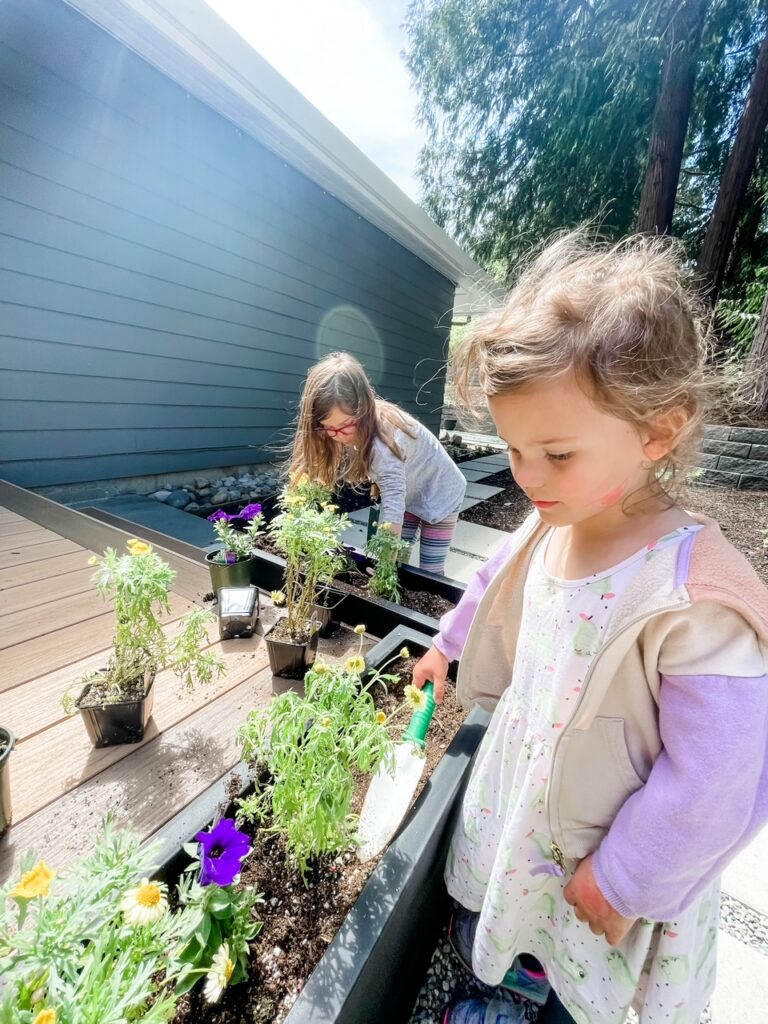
{"x":344,"y":57}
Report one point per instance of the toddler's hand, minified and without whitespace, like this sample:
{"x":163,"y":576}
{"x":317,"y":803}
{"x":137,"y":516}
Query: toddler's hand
{"x":583,"y":893}
{"x":432,"y":667}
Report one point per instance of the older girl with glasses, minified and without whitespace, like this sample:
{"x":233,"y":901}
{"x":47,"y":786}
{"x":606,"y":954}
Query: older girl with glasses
{"x":347,"y":434}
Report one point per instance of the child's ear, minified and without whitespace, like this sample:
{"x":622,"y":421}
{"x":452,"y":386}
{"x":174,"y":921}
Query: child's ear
{"x":662,"y":433}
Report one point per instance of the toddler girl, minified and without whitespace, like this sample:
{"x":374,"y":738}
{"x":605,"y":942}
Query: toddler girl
{"x":620,"y":642}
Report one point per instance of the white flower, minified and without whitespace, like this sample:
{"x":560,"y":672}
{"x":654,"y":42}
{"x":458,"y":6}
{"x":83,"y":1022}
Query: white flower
{"x":217,"y":978}
{"x":145,"y":903}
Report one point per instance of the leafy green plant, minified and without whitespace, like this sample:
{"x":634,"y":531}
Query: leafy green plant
{"x":739,"y":318}
{"x":387,"y":550}
{"x":308,"y":532}
{"x":237,"y":545}
{"x":73,"y":950}
{"x":102,"y":944}
{"x":306,"y":751}
{"x":138,"y":583}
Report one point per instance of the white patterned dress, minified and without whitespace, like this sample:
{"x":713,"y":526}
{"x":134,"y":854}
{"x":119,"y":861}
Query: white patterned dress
{"x":500,"y":862}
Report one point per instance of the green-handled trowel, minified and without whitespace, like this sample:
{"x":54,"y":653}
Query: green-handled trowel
{"x":390,"y":792}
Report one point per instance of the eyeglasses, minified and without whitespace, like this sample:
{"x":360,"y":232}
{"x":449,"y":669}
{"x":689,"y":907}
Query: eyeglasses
{"x":342,"y":431}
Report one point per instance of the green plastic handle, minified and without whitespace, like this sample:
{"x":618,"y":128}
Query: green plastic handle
{"x":419,"y":724}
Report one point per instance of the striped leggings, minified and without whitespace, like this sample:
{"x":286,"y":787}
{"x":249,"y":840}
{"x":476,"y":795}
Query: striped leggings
{"x":435,"y":539}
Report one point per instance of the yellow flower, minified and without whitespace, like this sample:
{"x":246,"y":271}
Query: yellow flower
{"x":381,"y":717}
{"x":139,"y":547}
{"x":321,"y":667}
{"x":360,"y":629}
{"x":355,"y":664}
{"x":278,"y":597}
{"x":45,"y":1017}
{"x":325,"y":722}
{"x":385,"y":527}
{"x":329,"y":506}
{"x":93,"y":560}
{"x":302,"y":481}
{"x":217,"y":978}
{"x":415,"y":697}
{"x":404,"y":652}
{"x":145,"y":903}
{"x":35,"y":882}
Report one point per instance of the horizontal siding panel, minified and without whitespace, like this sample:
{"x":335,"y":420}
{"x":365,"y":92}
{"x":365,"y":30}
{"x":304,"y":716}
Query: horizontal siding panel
{"x":165,"y":277}
{"x":284,"y":316}
{"x":105,"y":165}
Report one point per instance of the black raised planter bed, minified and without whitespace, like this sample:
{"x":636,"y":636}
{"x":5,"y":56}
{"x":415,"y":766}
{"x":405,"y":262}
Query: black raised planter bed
{"x":373,"y":969}
{"x":379,"y":616}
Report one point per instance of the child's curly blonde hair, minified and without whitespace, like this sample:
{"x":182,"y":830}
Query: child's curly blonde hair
{"x":619,"y":317}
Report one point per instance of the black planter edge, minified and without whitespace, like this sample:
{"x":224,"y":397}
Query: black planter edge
{"x":378,"y":615}
{"x":375,"y":965}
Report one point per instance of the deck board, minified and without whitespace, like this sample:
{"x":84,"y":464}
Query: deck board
{"x":39,"y":592}
{"x":37,"y":553}
{"x":20,"y":574}
{"x":27,"y":539}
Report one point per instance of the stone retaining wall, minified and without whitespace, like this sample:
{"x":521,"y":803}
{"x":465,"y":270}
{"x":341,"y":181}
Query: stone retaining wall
{"x":734,"y":457}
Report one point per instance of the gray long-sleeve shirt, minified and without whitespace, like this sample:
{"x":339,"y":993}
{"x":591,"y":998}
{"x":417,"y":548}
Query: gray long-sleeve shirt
{"x":426,"y":483}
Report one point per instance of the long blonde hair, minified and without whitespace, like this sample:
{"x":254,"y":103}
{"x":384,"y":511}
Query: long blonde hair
{"x":339,"y":381}
{"x":620,"y":318}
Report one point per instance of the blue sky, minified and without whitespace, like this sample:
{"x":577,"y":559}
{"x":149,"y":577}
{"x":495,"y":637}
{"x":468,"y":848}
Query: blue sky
{"x":344,"y":56}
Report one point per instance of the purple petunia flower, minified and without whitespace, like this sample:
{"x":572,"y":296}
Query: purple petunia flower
{"x":223,"y":850}
{"x":218,"y":514}
{"x":231,"y":558}
{"x":250,"y":511}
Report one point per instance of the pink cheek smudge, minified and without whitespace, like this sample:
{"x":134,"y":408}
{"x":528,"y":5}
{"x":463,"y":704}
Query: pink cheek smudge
{"x":611,"y":497}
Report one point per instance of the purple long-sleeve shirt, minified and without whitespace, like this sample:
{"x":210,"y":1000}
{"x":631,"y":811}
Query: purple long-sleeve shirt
{"x":706,"y":795}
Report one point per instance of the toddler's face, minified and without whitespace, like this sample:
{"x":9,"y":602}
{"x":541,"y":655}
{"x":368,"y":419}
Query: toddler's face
{"x":573,"y":460}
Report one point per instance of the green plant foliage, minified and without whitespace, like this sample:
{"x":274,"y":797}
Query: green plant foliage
{"x":308,"y":533}
{"x":238,"y":542}
{"x":138,"y":584}
{"x":307,"y":750}
{"x":387,"y":551}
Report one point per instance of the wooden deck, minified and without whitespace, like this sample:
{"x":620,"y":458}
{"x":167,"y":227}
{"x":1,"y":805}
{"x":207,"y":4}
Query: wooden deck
{"x":55,"y":627}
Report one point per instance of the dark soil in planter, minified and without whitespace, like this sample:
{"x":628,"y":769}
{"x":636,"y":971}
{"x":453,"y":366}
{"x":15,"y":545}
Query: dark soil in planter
{"x":742,"y":515}
{"x":281,"y":632}
{"x":415,"y":600}
{"x":299,"y":921}
{"x":98,"y":694}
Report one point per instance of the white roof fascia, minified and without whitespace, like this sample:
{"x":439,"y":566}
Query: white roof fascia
{"x":187,"y":41}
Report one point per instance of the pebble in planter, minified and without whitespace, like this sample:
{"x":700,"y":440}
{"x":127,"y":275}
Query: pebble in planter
{"x":307,"y":532}
{"x":232,"y":565}
{"x":116,"y":701}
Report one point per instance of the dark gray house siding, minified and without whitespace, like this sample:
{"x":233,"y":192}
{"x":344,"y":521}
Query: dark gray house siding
{"x":165,"y":280}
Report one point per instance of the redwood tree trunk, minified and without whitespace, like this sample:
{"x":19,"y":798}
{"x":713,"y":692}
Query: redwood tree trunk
{"x":757,"y":363}
{"x":670,"y":119}
{"x":718,"y":240}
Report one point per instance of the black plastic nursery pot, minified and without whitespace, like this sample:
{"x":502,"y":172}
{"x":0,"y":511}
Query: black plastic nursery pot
{"x":290,"y":660}
{"x":379,"y":615}
{"x":373,"y":969}
{"x":7,"y":741}
{"x":109,"y":725}
{"x":236,"y":574}
{"x":326,"y":611}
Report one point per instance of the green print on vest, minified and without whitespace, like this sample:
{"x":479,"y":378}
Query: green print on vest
{"x":600,"y":587}
{"x":477,"y":875}
{"x":675,"y":969}
{"x":539,"y":799}
{"x":706,"y":949}
{"x":704,"y":910}
{"x":619,"y":970}
{"x":586,"y":639}
{"x":504,"y":948}
{"x":545,"y":905}
{"x":578,"y":1013}
{"x":571,"y":967}
{"x":546,"y":940}
{"x":469,"y":828}
{"x":543,"y":844}
{"x":543,"y":644}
